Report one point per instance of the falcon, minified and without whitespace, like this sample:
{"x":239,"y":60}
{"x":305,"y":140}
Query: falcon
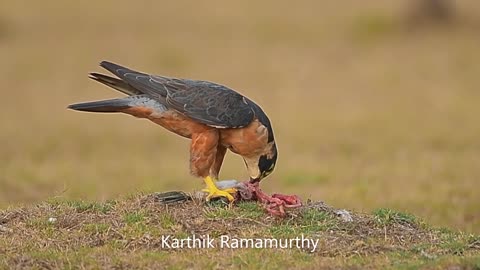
{"x":213,"y":116}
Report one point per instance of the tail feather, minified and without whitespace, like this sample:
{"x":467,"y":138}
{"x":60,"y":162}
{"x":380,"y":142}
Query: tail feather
{"x":115,"y":83}
{"x":136,"y":98}
{"x":117,"y":69}
{"x":106,"y":106}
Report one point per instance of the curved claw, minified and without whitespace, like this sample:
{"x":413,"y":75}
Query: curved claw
{"x":213,"y":191}
{"x":220,"y":193}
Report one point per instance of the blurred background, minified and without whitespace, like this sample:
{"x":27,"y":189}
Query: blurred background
{"x":374,"y":103}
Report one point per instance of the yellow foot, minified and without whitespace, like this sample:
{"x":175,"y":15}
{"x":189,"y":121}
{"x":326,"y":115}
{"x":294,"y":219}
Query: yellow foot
{"x":214,"y":192}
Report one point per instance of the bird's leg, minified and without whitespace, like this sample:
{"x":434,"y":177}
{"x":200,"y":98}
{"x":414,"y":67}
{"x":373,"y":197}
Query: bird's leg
{"x":224,"y":186}
{"x":213,"y":191}
{"x":217,"y":163}
{"x":203,"y":153}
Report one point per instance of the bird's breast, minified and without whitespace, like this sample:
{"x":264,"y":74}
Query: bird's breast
{"x":248,"y":141}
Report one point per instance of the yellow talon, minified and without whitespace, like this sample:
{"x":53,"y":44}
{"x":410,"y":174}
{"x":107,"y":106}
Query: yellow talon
{"x":214,"y":192}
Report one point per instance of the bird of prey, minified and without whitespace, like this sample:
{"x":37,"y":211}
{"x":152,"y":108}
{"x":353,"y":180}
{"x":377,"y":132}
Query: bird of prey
{"x":213,"y":116}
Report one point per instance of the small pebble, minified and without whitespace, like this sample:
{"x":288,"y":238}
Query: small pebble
{"x":5,"y":229}
{"x":52,"y":220}
{"x":344,"y":215}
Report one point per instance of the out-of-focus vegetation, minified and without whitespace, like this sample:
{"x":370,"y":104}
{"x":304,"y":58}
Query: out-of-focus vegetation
{"x":367,"y":113}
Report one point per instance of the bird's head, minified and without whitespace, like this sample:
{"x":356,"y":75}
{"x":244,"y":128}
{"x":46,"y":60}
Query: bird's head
{"x":261,"y":166}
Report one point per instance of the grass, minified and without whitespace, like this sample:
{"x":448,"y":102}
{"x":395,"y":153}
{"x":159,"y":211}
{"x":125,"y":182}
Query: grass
{"x":389,"y":124}
{"x":132,"y":218}
{"x":386,"y":216}
{"x":130,"y":236}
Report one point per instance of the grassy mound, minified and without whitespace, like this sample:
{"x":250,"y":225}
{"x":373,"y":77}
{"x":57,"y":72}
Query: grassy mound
{"x":128,"y":233}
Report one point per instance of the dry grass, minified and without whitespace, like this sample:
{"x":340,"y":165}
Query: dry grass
{"x":366,"y":114}
{"x":127,"y":234}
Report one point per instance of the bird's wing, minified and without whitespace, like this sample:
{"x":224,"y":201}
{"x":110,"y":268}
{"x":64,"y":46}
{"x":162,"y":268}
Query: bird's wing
{"x":210,"y":103}
{"x":206,"y":102}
